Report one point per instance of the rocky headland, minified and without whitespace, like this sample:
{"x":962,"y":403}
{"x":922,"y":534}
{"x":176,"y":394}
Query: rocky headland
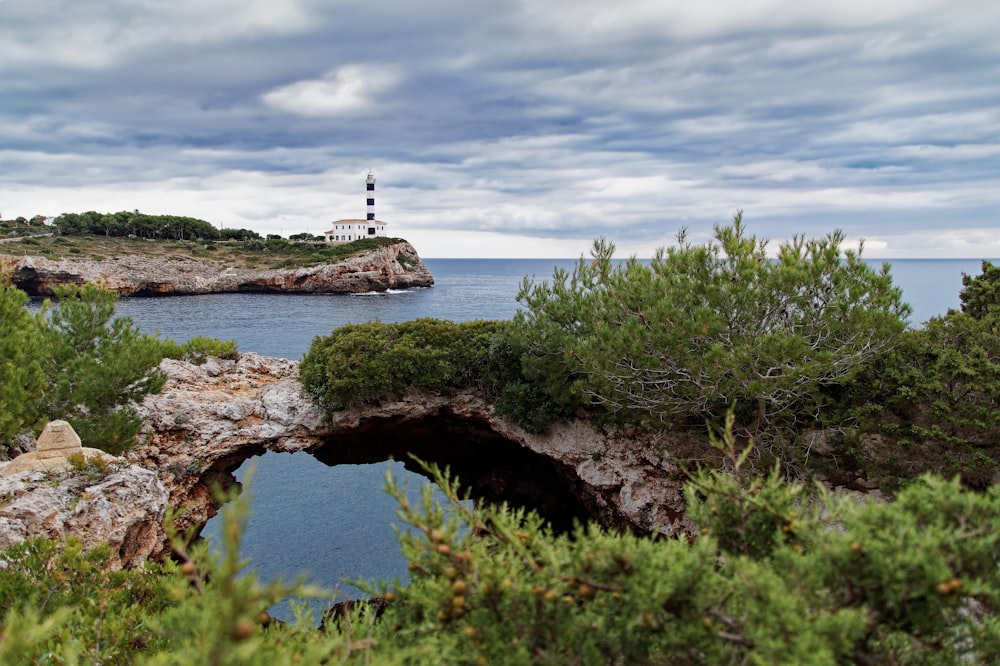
{"x":391,"y":266}
{"x":211,"y":417}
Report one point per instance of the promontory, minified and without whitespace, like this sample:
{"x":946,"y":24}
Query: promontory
{"x":138,"y":267}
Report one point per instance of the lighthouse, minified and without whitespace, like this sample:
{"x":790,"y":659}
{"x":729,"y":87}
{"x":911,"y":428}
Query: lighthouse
{"x":370,"y":183}
{"x":347,"y":230}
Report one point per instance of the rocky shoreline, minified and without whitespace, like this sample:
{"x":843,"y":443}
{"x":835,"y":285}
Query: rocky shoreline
{"x":211,"y":417}
{"x":394,"y":266}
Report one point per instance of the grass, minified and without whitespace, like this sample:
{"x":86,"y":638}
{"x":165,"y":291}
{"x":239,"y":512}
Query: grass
{"x":254,"y":254}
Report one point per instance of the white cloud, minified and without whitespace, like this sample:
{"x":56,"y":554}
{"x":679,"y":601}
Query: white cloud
{"x":348,"y":90}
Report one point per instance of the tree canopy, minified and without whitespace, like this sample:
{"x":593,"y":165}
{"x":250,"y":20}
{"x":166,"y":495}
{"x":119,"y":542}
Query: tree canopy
{"x":76,"y":361}
{"x":980,"y":294}
{"x":701,"y":327}
{"x":142,"y":225}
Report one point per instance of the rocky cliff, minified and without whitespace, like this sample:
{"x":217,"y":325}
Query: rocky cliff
{"x":211,"y":417}
{"x":395,"y":266}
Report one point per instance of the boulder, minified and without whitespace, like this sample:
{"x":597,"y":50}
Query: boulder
{"x":55,"y":450}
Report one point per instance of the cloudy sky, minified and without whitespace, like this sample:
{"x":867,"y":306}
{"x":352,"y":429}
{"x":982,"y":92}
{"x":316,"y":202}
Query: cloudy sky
{"x":514,"y":128}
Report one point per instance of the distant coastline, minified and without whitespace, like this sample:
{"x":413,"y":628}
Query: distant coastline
{"x":137,"y":267}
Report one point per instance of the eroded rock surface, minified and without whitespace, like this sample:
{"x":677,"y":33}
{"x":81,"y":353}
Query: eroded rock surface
{"x":212,"y":417}
{"x":395,"y":266}
{"x":124,"y":509}
{"x":53,"y":451}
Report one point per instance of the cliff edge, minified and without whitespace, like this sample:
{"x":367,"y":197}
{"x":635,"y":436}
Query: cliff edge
{"x":392,"y":266}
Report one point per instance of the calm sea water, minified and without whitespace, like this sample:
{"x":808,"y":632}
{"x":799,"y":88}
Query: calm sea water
{"x":336,"y":523}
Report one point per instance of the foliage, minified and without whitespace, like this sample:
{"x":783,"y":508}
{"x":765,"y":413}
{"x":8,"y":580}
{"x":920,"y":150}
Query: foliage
{"x":74,"y":362}
{"x":60,"y":605}
{"x":97,"y":365}
{"x":312,"y":253}
{"x":141,"y":225}
{"x":368,"y":363}
{"x":229,"y":250}
{"x":776,"y":575}
{"x":980,"y":294}
{"x":197,"y":349}
{"x":98,"y":616}
{"x":937,"y":396}
{"x":778,"y":579}
{"x":702,"y":327}
{"x":947,"y":378}
{"x":22,"y":376}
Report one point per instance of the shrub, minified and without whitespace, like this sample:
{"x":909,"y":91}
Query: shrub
{"x":22,"y":374}
{"x":197,"y":349}
{"x":373,"y":362}
{"x":60,"y":605}
{"x":774,"y":578}
{"x":702,"y":327}
{"x":980,"y":294}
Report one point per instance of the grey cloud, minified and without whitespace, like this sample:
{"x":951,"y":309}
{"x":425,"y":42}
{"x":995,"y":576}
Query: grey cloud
{"x":545,"y":120}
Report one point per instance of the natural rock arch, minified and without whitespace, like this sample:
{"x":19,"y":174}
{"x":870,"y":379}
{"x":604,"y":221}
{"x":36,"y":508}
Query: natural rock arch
{"x":212,"y":417}
{"x":489,"y":466}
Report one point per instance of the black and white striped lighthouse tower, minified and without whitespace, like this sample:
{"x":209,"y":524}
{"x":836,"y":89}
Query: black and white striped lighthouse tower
{"x":371,"y":197}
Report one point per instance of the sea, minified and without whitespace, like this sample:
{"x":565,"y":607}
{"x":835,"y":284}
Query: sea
{"x":337,"y":525}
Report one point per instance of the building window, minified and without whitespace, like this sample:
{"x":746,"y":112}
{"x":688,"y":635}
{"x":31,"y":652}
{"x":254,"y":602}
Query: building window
{"x":371,"y":187}
{"x":371,"y":231}
{"x":371,"y":202}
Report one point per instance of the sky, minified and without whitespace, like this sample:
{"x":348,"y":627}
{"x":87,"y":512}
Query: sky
{"x":514,"y":128}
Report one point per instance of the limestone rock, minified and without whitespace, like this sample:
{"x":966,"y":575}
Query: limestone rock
{"x":123,"y":509}
{"x":211,"y":418}
{"x":53,"y":449}
{"x":395,"y":266}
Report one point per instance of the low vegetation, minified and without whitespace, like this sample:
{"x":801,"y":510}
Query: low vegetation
{"x":775,"y":571}
{"x":779,"y":574}
{"x":814,"y":341}
{"x":74,"y":360}
{"x":254,"y":253}
{"x":369,"y":363}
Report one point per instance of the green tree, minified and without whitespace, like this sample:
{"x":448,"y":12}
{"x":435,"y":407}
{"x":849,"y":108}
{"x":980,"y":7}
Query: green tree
{"x":97,"y":365}
{"x":22,"y":352}
{"x":704,"y":326}
{"x":937,"y":395}
{"x":980,"y":294}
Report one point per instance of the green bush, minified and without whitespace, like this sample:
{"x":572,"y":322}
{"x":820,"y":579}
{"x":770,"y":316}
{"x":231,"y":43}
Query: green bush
{"x":773,"y":578}
{"x":60,"y":605}
{"x":369,"y":363}
{"x":980,"y":294}
{"x":777,"y":575}
{"x":197,"y":349}
{"x":99,"y":616}
{"x":74,"y":361}
{"x":22,"y":375}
